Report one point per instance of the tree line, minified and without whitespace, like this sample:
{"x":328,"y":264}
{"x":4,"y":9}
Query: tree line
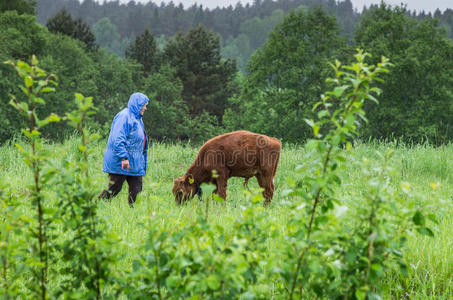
{"x":243,"y":28}
{"x":166,"y":19}
{"x":198,"y":93}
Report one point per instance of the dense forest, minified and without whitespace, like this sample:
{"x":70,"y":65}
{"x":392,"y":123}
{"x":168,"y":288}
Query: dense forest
{"x":259,"y":67}
{"x":243,"y":28}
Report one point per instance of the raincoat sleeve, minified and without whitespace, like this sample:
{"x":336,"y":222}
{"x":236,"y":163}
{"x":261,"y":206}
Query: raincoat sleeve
{"x":120,"y":133}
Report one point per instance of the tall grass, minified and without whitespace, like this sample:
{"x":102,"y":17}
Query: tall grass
{"x":427,"y":169}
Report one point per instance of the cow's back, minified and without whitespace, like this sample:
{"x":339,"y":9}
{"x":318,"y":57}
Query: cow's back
{"x":244,"y":153}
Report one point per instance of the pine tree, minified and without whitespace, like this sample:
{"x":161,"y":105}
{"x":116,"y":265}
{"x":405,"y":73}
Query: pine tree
{"x":206,"y":77}
{"x":63,"y":23}
{"x":21,"y":6}
{"x":144,"y":50}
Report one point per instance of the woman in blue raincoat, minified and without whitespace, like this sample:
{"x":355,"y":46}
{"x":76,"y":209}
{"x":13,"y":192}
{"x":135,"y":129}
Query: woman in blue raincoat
{"x":125,"y":157}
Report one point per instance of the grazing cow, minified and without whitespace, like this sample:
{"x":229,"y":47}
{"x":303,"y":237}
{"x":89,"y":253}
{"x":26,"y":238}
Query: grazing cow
{"x":235,"y":154}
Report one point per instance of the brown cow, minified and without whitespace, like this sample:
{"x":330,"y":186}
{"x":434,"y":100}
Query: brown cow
{"x":235,"y":154}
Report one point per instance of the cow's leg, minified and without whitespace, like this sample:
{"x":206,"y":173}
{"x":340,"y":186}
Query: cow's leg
{"x":246,"y":182}
{"x":221,"y":182}
{"x":266,"y":182}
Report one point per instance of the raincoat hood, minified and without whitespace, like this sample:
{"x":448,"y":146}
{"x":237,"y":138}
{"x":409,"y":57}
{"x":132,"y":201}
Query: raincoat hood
{"x":136,"y":102}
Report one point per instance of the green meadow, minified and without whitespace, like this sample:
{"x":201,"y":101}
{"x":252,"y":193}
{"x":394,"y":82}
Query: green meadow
{"x":424,"y":169}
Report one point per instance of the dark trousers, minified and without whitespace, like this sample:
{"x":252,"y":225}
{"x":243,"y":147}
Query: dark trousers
{"x":116,"y":183}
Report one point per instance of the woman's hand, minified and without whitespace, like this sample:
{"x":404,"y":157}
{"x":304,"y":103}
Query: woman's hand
{"x":125,"y":164}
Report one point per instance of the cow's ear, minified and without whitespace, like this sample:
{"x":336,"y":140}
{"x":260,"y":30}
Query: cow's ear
{"x":189,"y":179}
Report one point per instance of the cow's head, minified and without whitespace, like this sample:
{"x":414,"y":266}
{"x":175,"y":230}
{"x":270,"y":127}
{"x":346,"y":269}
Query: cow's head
{"x":184,"y":188}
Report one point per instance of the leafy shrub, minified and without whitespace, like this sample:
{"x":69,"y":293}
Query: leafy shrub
{"x":85,"y":252}
{"x":336,"y":258}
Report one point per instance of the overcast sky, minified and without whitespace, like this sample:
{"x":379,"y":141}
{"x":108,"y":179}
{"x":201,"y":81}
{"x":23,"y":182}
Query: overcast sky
{"x":419,"y":5}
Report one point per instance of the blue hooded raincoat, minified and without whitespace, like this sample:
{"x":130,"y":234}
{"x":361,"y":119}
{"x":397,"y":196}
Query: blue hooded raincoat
{"x":127,"y":140}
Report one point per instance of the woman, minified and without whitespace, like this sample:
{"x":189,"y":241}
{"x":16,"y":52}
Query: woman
{"x":125,"y":157}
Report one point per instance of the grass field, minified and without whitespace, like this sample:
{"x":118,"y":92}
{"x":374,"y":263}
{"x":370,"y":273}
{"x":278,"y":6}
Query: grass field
{"x":428,"y":171}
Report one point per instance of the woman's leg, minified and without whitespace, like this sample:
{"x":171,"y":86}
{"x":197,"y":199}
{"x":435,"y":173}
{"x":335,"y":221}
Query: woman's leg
{"x":115,"y":184}
{"x":135,"y":187}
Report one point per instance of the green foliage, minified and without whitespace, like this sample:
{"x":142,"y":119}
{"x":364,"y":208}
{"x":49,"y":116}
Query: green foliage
{"x":14,"y":45}
{"x":203,"y":261}
{"x":107,"y":37}
{"x":21,"y":6}
{"x":337,"y":113}
{"x":168,"y":18}
{"x":76,"y":70}
{"x":446,"y":20}
{"x":207,"y":78}
{"x":11,"y":233}
{"x":415,"y":103}
{"x":108,"y":78}
{"x":258,"y":29}
{"x":86,"y":251}
{"x":429,"y":262}
{"x":63,"y":23}
{"x":252,"y":35}
{"x":105,"y":76}
{"x":114,"y":79}
{"x":105,"y":32}
{"x":145,"y":51}
{"x":239,"y":49}
{"x":338,"y":258}
{"x":169,"y":117}
{"x":36,"y":82}
{"x":21,"y":36}
{"x":388,"y":215}
{"x":286,"y":77}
